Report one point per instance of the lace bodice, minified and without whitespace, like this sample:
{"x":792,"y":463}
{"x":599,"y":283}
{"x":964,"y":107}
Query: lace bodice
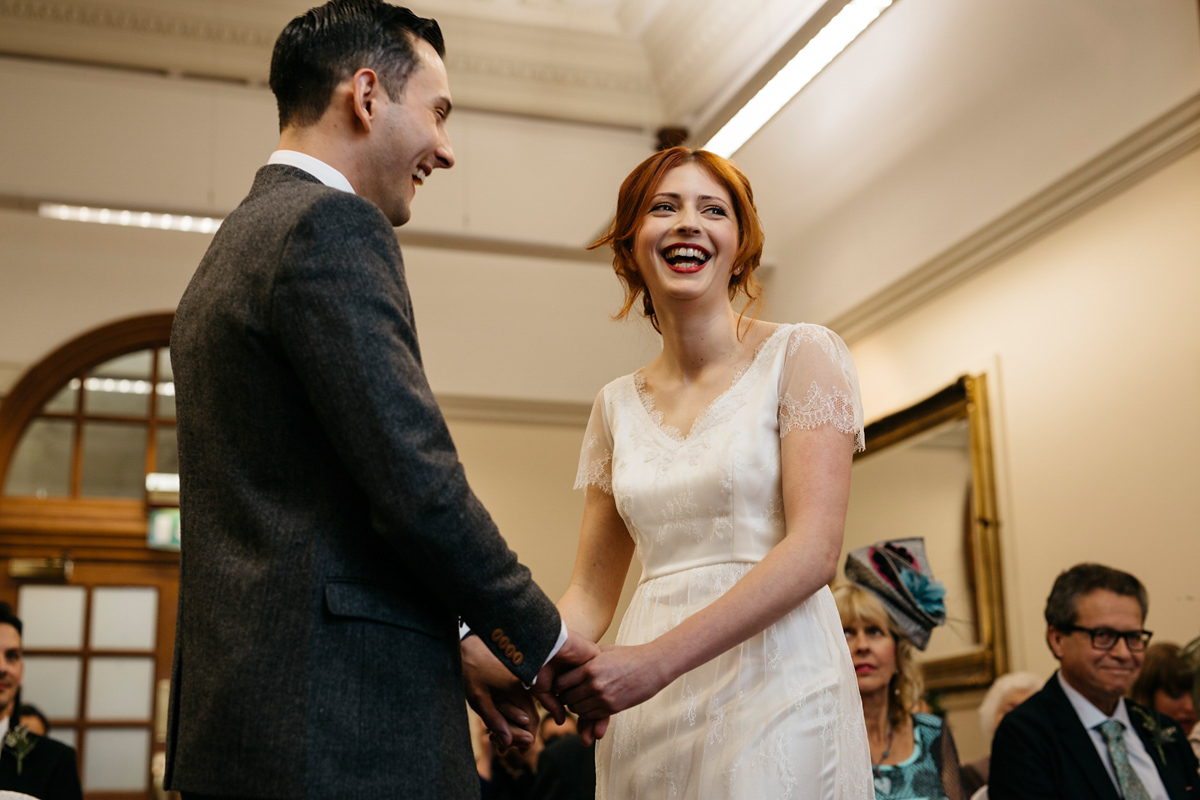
{"x":714,"y":495}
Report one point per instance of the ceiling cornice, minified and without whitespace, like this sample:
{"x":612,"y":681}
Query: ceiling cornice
{"x":493,"y":65}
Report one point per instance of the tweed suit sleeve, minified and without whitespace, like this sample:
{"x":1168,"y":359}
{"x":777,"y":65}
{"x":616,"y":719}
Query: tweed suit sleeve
{"x":341,"y":309}
{"x":1021,"y":767}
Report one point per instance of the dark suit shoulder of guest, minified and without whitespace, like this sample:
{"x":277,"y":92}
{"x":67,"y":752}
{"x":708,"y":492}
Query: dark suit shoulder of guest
{"x":48,"y":771}
{"x":566,"y":770}
{"x":1041,"y":750}
{"x":330,"y":539}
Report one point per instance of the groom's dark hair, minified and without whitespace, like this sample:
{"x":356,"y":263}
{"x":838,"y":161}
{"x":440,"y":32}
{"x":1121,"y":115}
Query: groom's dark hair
{"x":325,"y":45}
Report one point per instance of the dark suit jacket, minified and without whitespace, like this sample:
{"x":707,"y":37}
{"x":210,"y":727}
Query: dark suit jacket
{"x":48,"y":771}
{"x":566,"y":770}
{"x":330,"y":540}
{"x":1041,"y":750}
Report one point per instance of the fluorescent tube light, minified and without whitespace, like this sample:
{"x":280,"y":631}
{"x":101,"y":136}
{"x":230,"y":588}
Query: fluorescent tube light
{"x":137,"y":219}
{"x":837,"y":34}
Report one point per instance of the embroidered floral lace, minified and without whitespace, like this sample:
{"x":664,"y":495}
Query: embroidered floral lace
{"x":777,"y":716}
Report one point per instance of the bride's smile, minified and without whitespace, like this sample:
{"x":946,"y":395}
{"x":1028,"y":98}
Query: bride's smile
{"x":688,"y":237}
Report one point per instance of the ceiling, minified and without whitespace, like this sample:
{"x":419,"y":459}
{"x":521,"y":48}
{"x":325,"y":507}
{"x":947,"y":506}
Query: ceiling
{"x":941,"y":119}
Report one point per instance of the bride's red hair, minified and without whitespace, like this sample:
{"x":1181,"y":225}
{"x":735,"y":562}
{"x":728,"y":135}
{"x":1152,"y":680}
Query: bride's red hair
{"x":633,"y":202}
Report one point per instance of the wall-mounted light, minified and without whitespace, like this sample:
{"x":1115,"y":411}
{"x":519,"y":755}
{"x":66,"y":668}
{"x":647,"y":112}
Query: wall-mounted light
{"x":837,"y":34}
{"x":136,"y":219}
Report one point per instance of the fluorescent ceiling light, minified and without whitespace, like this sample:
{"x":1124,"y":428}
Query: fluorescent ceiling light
{"x":137,"y":219}
{"x":837,"y":34}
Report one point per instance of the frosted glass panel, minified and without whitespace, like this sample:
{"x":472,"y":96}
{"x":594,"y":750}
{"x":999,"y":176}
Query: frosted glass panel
{"x":53,"y":616}
{"x":124,"y":618}
{"x":117,"y":759}
{"x":167,"y":457}
{"x":52,"y":684}
{"x":68,"y":736}
{"x":121,"y":386}
{"x":41,"y":467}
{"x":120,"y":687}
{"x":114,"y":460}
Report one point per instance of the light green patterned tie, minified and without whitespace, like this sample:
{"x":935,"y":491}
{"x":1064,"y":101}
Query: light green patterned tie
{"x":1131,"y":784}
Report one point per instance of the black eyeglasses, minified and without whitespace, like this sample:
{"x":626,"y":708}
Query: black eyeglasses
{"x":1106,"y":638}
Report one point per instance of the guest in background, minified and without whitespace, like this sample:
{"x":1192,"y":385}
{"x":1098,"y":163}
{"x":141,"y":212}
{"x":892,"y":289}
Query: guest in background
{"x":504,"y":773}
{"x":1007,"y":692}
{"x":29,"y":763}
{"x":566,"y":770}
{"x":33,"y":719}
{"x":892,"y":606}
{"x":1165,"y":684}
{"x":1078,"y":738}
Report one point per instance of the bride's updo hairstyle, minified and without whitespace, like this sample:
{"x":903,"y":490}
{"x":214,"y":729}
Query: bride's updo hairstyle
{"x":633,"y":203}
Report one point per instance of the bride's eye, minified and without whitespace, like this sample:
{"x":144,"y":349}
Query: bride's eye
{"x":663,"y":206}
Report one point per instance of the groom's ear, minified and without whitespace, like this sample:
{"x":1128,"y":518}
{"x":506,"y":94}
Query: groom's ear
{"x":366,"y":97}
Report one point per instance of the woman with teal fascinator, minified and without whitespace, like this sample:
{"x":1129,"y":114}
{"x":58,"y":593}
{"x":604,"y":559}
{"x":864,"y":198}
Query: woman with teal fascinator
{"x":891,"y":605}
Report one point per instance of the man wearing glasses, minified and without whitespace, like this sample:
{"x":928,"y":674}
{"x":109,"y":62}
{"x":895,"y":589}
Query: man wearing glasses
{"x":1078,"y":737}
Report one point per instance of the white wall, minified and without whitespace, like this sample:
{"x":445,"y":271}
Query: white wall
{"x":508,"y":326}
{"x":1093,"y":337}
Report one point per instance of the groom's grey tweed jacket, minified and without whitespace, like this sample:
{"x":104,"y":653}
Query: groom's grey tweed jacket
{"x":330,"y":540}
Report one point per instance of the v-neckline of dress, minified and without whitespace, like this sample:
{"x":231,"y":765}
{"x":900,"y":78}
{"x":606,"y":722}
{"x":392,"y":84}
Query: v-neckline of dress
{"x":656,"y":417}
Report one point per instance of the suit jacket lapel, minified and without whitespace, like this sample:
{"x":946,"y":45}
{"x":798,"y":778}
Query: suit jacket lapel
{"x":1077,"y":742}
{"x":1142,"y":721}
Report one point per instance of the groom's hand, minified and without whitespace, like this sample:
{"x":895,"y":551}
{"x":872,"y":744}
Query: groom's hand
{"x":505,"y":706}
{"x":575,"y":651}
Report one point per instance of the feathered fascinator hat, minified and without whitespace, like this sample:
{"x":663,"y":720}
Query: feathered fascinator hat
{"x":898,"y":573}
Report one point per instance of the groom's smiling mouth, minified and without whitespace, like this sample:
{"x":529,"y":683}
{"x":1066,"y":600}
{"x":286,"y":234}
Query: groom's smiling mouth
{"x":685,"y":257}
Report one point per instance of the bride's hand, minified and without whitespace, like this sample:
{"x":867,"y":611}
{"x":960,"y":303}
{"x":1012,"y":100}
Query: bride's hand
{"x":617,"y":679}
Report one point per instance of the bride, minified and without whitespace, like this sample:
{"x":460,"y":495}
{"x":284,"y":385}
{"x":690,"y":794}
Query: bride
{"x":725,"y":463}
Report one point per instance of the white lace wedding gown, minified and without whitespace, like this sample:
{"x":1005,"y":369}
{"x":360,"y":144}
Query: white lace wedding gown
{"x":779,"y":715}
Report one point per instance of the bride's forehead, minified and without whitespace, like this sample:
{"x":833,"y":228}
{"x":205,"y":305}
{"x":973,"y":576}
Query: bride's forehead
{"x":691,"y":178}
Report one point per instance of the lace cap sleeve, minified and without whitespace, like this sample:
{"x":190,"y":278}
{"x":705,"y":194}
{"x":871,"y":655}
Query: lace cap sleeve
{"x":595,"y":459}
{"x":819,"y":385}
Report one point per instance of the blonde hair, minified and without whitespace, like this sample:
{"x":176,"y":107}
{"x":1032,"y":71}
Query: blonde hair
{"x":906,"y":687}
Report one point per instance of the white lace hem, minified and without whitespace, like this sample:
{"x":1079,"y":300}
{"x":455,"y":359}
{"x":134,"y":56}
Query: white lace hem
{"x":820,"y":408}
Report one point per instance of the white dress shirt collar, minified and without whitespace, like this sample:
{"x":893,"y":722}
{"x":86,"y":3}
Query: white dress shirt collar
{"x":1139,"y":759}
{"x":313,"y":166}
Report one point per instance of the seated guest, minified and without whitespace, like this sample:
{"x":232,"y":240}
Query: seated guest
{"x":1006,"y":693}
{"x":1078,"y":737}
{"x":29,"y":763}
{"x":1165,"y":684}
{"x":504,"y":773}
{"x":566,"y":770}
{"x":892,"y":606}
{"x":33,"y":720}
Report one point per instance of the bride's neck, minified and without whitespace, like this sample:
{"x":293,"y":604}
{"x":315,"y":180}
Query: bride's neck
{"x":694,"y":343}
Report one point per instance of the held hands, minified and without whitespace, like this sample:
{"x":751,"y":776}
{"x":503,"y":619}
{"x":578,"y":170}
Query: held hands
{"x":505,"y":706}
{"x":617,"y":679}
{"x":576,"y":650}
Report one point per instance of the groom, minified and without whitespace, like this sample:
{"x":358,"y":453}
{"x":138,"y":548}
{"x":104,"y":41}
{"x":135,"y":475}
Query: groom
{"x":331,"y":542}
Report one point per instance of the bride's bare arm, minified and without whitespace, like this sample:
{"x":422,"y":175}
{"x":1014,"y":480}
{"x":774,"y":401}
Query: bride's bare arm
{"x":816,"y":489}
{"x":605,"y":550}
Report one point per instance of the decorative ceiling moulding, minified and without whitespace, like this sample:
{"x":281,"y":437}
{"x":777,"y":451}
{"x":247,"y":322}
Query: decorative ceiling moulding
{"x":514,"y":412}
{"x":409,"y":236}
{"x":552,"y":74}
{"x":1163,"y":141}
{"x":133,"y":37}
{"x":572,"y":75}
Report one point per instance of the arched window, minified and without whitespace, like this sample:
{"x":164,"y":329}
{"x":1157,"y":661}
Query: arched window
{"x":79,"y":433}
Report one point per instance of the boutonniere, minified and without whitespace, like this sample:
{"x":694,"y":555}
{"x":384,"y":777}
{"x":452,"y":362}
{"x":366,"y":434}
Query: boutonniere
{"x":1159,"y":734}
{"x":18,"y":742}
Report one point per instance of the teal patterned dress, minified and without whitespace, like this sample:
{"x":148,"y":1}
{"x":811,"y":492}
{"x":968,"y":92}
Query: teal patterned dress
{"x":930,"y":773}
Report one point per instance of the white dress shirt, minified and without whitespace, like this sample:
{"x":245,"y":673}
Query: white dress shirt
{"x":1139,"y":759}
{"x":336,"y":180}
{"x":313,"y":166}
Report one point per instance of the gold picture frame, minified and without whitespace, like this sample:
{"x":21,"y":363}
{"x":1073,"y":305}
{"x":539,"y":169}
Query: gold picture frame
{"x":953,"y":419}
